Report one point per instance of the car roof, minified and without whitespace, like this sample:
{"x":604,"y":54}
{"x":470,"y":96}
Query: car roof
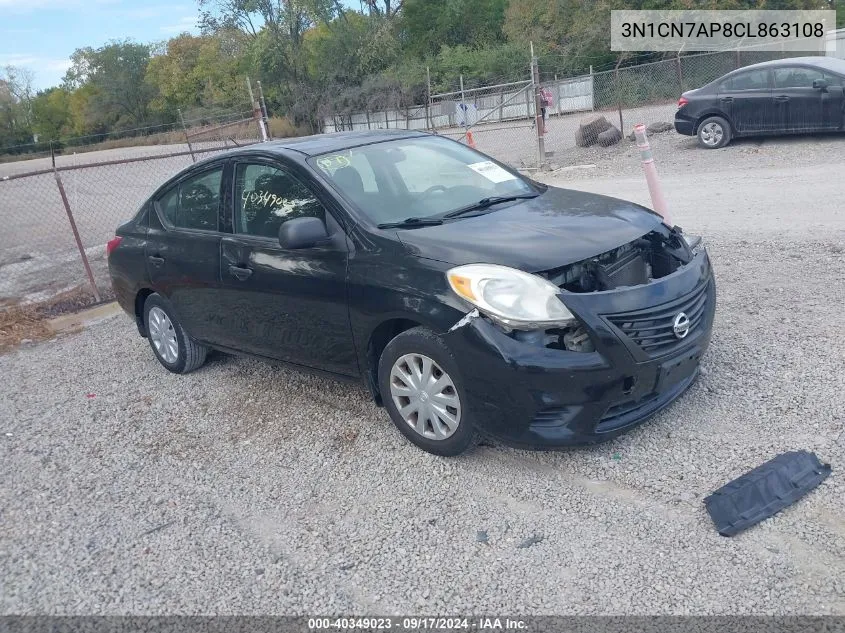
{"x":832,"y":64}
{"x":334,"y":142}
{"x":305,"y":146}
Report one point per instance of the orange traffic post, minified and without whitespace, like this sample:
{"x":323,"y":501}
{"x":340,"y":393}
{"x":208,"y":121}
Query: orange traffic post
{"x":658,"y":202}
{"x":470,"y":140}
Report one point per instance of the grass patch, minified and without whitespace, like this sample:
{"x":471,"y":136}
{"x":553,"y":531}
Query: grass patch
{"x":28,"y":322}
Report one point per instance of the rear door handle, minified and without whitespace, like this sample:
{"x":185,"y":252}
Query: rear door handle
{"x":156,"y":261}
{"x":727,"y":99}
{"x":241,"y":274}
{"x":781,"y":98}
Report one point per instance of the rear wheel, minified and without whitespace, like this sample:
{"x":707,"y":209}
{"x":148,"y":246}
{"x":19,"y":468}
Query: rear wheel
{"x":172,"y":346}
{"x":421,"y":388}
{"x":714,"y":132}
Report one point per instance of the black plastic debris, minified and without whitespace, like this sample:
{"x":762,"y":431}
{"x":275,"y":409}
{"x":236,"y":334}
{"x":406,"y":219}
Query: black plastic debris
{"x":764,"y":491}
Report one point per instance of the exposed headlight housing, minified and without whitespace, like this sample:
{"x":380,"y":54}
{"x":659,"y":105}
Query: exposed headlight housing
{"x":694,"y":243}
{"x":513,"y":298}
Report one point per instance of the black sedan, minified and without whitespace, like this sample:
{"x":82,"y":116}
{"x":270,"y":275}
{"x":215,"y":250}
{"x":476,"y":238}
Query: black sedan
{"x":786,"y":96}
{"x":465,"y":296}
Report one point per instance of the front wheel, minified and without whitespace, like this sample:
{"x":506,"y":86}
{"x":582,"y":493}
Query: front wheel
{"x":714,"y":132}
{"x":421,"y":387}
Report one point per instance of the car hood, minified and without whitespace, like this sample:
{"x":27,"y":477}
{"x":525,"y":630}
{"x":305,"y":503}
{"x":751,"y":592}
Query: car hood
{"x":557,"y":228}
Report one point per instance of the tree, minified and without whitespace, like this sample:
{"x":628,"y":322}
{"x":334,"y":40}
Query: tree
{"x":51,"y":113}
{"x":350,"y":48}
{"x":429,"y":24}
{"x":115,"y":74}
{"x":81,"y":62}
{"x":388,"y":9}
{"x":15,"y":106}
{"x":202,"y":71}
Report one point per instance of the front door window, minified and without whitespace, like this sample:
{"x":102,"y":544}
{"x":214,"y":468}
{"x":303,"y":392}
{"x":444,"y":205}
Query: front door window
{"x":266,"y":197}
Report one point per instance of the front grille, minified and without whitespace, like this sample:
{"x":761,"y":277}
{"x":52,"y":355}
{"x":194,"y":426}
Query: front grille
{"x":651,"y":328}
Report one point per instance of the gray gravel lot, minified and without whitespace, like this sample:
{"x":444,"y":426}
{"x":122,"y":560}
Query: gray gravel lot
{"x":246,"y":488}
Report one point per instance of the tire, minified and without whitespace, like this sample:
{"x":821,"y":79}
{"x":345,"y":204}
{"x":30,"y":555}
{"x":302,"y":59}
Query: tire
{"x":714,"y":132}
{"x":189,"y":354}
{"x":437,"y":406}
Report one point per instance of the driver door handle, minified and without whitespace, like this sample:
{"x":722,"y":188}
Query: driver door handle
{"x":781,"y":98}
{"x":156,"y":261}
{"x":239,"y":273}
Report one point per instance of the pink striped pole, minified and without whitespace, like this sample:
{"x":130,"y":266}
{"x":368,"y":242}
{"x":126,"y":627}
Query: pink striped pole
{"x":658,"y":202}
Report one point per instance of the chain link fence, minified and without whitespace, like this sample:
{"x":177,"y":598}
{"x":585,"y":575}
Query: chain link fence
{"x":501,"y":120}
{"x":59,"y":211}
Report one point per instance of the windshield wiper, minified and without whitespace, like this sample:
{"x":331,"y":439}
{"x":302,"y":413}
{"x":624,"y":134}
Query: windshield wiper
{"x":484,"y":203}
{"x":411,"y":223}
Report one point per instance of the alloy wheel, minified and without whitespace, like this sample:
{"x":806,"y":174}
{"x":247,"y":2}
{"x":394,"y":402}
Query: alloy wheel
{"x":711,"y":134}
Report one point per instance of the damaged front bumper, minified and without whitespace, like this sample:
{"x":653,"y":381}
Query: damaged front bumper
{"x":529,"y":395}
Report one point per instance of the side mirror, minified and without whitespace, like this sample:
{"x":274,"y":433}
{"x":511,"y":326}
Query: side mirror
{"x":302,"y":232}
{"x":820,"y":84}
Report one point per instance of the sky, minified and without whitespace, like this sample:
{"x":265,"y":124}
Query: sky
{"x":41,"y":34}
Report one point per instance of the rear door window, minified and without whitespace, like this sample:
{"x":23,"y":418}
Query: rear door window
{"x":194,"y":203}
{"x":751,"y":80}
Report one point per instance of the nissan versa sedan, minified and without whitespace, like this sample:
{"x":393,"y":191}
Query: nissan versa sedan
{"x":465,"y":296}
{"x":785,"y":96}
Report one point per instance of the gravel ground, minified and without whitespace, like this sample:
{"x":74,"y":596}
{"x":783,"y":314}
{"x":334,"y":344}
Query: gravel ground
{"x":245,"y":488}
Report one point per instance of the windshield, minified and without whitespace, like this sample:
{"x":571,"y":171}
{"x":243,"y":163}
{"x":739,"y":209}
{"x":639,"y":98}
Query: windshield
{"x":419,"y":177}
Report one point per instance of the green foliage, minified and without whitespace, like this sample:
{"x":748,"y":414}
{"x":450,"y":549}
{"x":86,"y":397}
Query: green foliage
{"x":318,"y":58}
{"x":51,"y":113}
{"x":15,"y":106}
{"x":428,"y":25}
{"x":117,"y":95}
{"x":479,"y":66}
{"x":198,"y":72}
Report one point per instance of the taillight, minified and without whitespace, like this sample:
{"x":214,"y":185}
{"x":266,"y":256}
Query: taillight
{"x":682,"y":102}
{"x":112,"y":244}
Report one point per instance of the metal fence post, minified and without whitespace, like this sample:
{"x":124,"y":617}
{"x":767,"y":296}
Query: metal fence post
{"x":538,"y":110}
{"x":528,"y":103}
{"x":619,"y":95}
{"x":464,"y":106}
{"x":76,"y":237}
{"x":256,"y":111}
{"x":428,"y":124}
{"x":557,"y":89}
{"x":264,"y":114}
{"x":593,"y":91}
{"x":680,"y":72}
{"x":187,"y":138}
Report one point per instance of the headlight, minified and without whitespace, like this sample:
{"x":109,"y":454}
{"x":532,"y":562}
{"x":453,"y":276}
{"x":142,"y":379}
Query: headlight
{"x":512,"y":297}
{"x":694,"y":242}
